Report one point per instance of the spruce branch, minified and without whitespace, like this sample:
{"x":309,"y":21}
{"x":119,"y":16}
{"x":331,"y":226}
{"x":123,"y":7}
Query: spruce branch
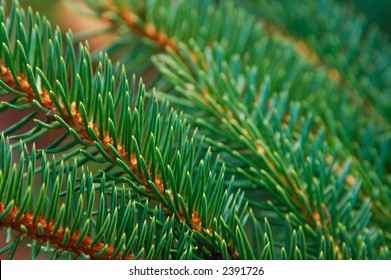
{"x":63,"y":222}
{"x":337,"y":49}
{"x":73,"y":119}
{"x":348,"y":143}
{"x":236,"y":126}
{"x":150,"y":147}
{"x":43,"y":232}
{"x":351,"y":96}
{"x":184,"y":81}
{"x":139,"y":27}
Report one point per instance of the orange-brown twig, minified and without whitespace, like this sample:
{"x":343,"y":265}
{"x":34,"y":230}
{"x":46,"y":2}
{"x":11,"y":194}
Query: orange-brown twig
{"x":57,"y":239}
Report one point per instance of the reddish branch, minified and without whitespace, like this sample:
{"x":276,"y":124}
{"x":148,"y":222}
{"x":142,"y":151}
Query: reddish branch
{"x":57,"y":238}
{"x":148,"y":30}
{"x":302,"y":49}
{"x":76,"y":122}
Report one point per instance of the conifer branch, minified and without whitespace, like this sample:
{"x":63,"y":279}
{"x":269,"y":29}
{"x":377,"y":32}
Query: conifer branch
{"x":148,"y":30}
{"x":144,"y":157}
{"x":138,"y":25}
{"x":296,"y":199}
{"x":75,"y":121}
{"x":144,"y":29}
{"x":44,"y":232}
{"x":363,"y":94}
{"x":225,"y":111}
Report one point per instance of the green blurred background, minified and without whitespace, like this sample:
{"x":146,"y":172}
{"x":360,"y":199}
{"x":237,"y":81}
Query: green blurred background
{"x":44,"y":7}
{"x":377,"y":11}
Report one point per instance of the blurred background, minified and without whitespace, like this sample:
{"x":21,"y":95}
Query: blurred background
{"x":377,"y":11}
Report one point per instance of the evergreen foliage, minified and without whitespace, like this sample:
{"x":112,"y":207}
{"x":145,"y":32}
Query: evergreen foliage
{"x":255,"y":136}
